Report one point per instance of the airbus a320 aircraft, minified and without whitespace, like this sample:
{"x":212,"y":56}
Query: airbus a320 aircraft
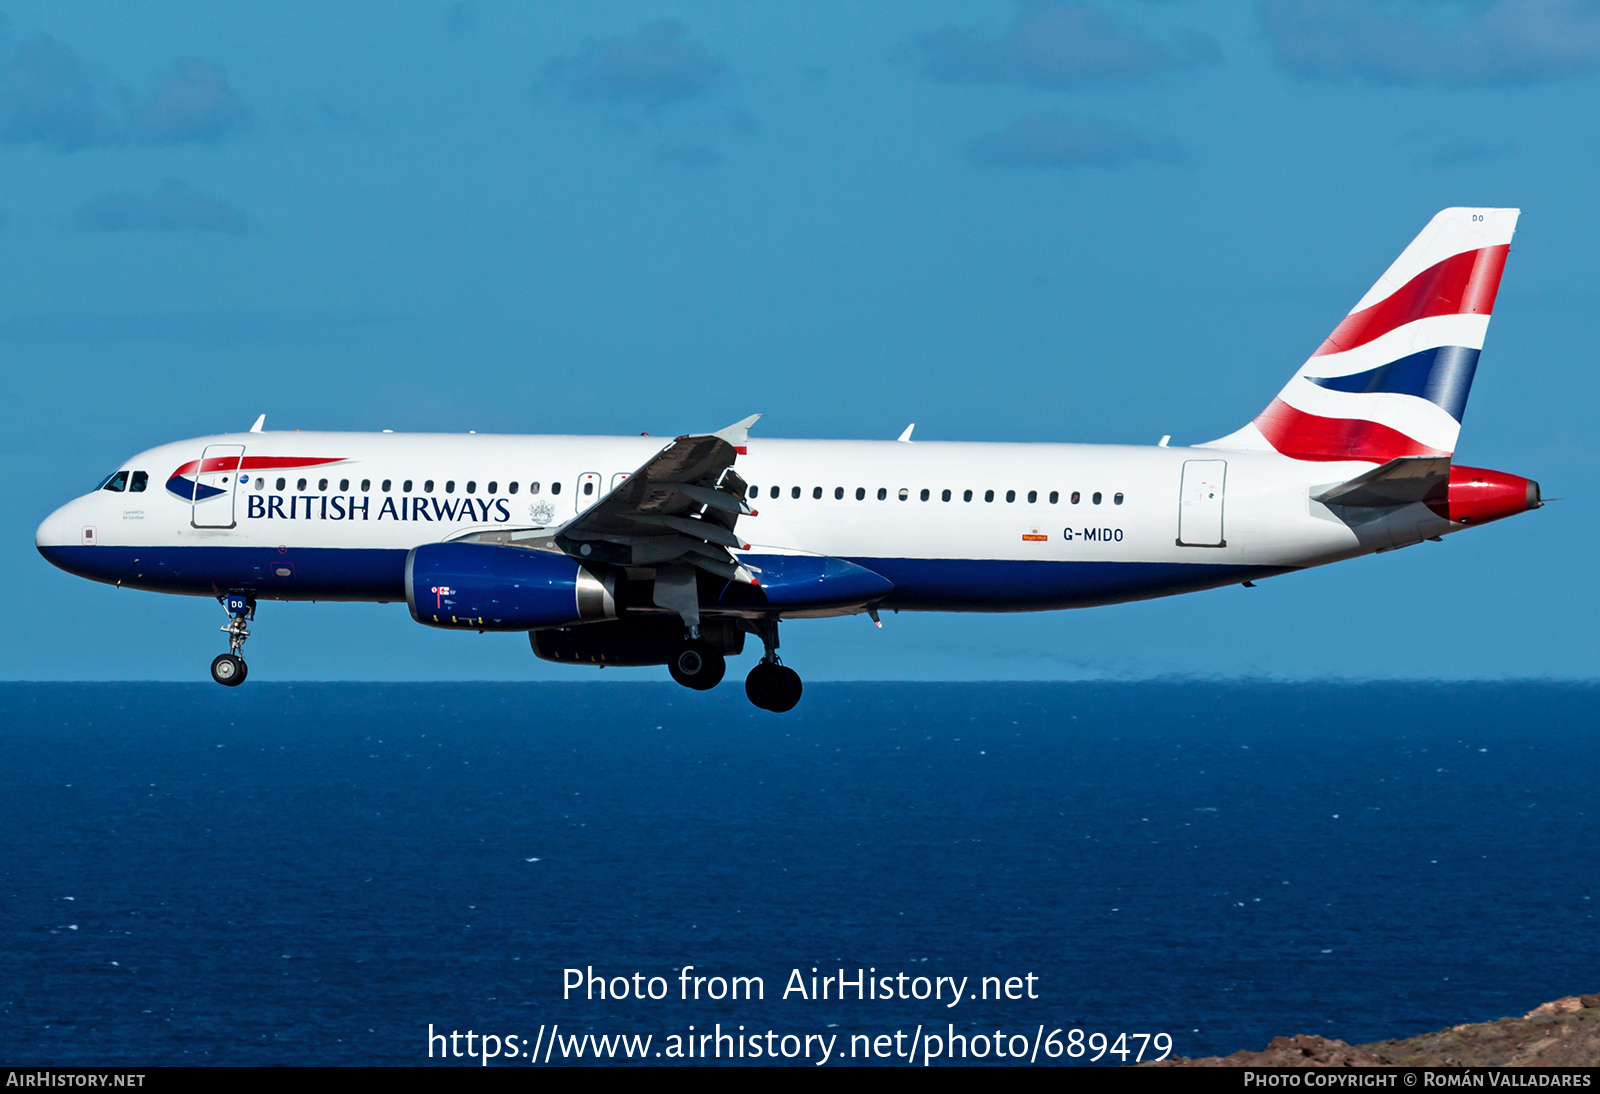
{"x":627,"y":551}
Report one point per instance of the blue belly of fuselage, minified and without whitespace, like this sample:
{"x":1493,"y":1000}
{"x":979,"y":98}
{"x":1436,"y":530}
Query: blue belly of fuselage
{"x":378,"y":574}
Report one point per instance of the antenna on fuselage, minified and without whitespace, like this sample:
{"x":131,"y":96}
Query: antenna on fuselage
{"x":906,"y":436}
{"x":261,"y":421}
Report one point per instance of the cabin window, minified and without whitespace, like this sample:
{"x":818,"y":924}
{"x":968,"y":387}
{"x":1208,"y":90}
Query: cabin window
{"x":755,"y":491}
{"x":794,"y":491}
{"x":904,"y":494}
{"x":533,"y":488}
{"x":366,"y":485}
{"x":816,"y":493}
{"x":322,"y":484}
{"x":301,"y":485}
{"x":838,"y":493}
{"x":1096,"y":498}
{"x":344,"y":486}
{"x":427,"y":487}
{"x":261,"y":483}
{"x":472,"y":487}
{"x":773,"y":492}
{"x":140,"y":480}
{"x":1011,"y":495}
{"x":1033,"y":496}
{"x":988,"y":495}
{"x":117,"y":483}
{"x":511,"y":487}
{"x":1055,"y":496}
{"x":555,"y":488}
{"x":588,"y":488}
{"x":924,"y":494}
{"x":280,"y":484}
{"x":493,"y":486}
{"x":883,"y":494}
{"x":449,"y":486}
{"x":1076,"y":497}
{"x":861,"y":493}
{"x":966,"y":495}
{"x":405,"y":486}
{"x":945,"y":496}
{"x":1116,"y":499}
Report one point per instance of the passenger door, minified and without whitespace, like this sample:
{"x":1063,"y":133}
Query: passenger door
{"x":1200,"y":503}
{"x":215,"y":480}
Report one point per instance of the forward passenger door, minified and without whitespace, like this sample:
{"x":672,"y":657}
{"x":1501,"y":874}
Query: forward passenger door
{"x":215,"y":481}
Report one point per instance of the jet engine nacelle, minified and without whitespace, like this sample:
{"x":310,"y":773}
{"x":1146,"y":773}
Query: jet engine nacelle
{"x":483,"y":587}
{"x":1476,"y":496}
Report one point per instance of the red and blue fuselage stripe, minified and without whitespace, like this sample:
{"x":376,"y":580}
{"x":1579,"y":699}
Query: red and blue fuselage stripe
{"x":180,"y":485}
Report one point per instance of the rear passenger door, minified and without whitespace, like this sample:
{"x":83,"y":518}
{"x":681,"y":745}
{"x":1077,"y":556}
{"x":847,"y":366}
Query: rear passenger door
{"x":1200,"y":503}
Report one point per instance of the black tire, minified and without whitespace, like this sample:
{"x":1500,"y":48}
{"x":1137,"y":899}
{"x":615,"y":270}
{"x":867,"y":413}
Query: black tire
{"x":773,"y":687}
{"x":698,"y":664}
{"x":765,"y":685}
{"x":228,"y":670}
{"x":791,"y":691}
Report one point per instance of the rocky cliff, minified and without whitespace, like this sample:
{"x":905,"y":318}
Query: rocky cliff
{"x":1565,"y":1033}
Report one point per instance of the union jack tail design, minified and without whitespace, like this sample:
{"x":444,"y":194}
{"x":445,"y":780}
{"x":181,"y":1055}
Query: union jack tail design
{"x":1392,"y":379}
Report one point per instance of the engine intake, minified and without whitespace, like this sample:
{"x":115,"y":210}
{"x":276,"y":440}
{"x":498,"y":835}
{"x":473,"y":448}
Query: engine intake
{"x":483,"y":587}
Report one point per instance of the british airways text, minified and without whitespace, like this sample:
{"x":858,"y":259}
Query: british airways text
{"x":359,"y":507}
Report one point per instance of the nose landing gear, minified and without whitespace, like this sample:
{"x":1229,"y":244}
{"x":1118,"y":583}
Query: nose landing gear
{"x":229,"y":669}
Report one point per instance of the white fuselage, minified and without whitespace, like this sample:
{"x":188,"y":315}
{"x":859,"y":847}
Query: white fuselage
{"x":1025,"y":526}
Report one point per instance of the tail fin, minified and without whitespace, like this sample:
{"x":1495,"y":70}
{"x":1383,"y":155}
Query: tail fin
{"x":1392,"y":379}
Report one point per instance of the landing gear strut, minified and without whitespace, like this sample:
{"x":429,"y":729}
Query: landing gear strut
{"x":771,"y":685}
{"x":229,"y":669}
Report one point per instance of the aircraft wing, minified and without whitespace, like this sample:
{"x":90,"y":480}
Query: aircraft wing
{"x":681,"y":506}
{"x":1398,"y":482}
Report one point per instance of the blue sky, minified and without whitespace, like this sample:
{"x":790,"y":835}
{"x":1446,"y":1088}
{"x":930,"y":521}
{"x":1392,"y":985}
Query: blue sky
{"x":1038,"y":222}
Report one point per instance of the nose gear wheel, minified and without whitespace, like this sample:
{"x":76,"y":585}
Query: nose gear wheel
{"x":228,"y":670}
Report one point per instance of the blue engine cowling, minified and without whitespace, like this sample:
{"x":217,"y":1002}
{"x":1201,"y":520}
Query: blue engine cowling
{"x":483,"y":587}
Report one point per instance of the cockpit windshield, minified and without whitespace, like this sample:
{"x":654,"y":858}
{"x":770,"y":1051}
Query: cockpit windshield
{"x":134,"y":482}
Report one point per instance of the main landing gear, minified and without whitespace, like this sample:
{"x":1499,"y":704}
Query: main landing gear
{"x":771,"y":685}
{"x":698,"y":664}
{"x":229,"y":669}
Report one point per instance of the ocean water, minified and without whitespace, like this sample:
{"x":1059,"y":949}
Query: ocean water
{"x":317,"y":873}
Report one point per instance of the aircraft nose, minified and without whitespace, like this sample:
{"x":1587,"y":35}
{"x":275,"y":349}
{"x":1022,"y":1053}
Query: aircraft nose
{"x":52,"y":531}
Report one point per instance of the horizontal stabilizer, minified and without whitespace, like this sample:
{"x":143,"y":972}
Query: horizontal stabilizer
{"x":1399,"y":482}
